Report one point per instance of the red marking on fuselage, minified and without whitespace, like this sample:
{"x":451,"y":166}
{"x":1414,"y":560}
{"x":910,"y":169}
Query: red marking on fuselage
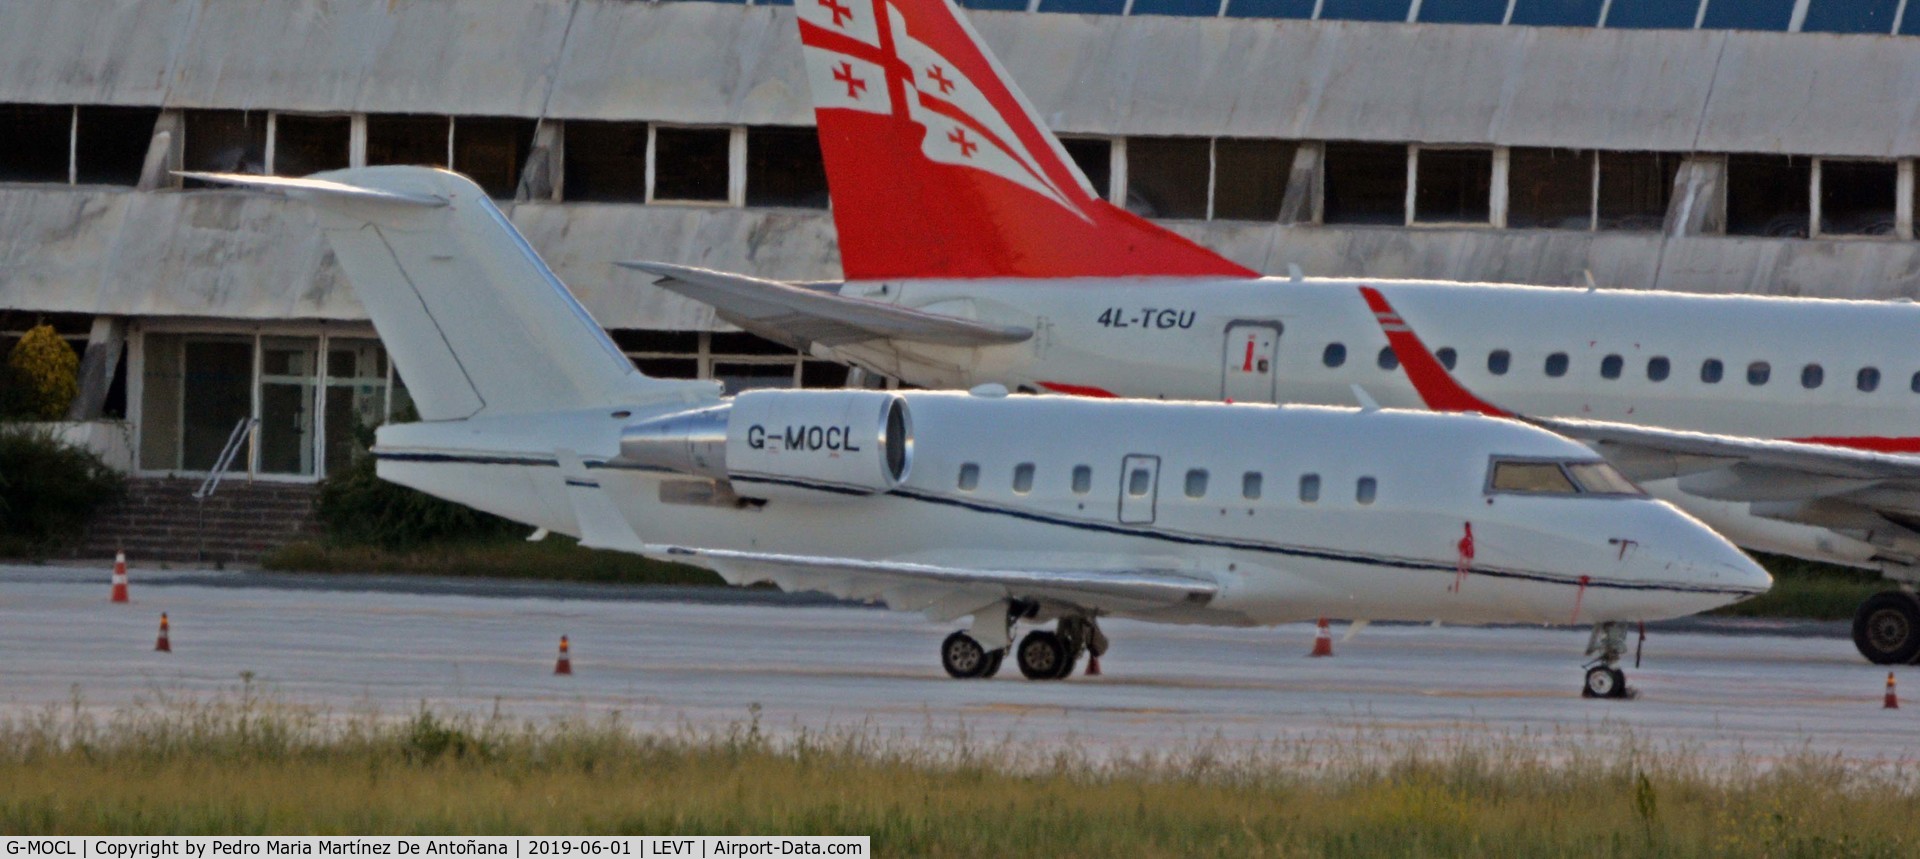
{"x":1436,"y":386}
{"x":1877,"y":444}
{"x":1079,"y":390}
{"x":1248,"y":368}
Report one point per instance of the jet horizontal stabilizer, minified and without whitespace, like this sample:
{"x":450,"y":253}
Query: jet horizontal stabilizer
{"x":296,"y":186}
{"x":798,"y":316}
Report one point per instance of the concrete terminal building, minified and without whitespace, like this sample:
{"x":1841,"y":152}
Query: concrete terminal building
{"x":1704,"y":145}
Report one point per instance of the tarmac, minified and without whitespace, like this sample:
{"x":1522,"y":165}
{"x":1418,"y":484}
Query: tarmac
{"x":669,"y":658}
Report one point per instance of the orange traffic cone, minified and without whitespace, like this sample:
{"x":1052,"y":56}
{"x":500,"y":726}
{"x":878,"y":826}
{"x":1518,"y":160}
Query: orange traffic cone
{"x":1322,"y":640}
{"x":565,"y":665}
{"x":1093,"y":664}
{"x":120,"y":577}
{"x":163,"y":645}
{"x":1893,"y":701}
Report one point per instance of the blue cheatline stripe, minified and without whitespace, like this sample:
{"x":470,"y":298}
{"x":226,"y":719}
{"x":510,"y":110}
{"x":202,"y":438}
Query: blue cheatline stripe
{"x":1146,"y":533}
{"x":582,"y":483}
{"x":836,"y":488}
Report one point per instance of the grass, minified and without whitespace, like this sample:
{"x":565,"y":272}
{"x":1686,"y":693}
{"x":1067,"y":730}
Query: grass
{"x":1808,"y":589}
{"x":555,"y":558}
{"x":248,"y":766}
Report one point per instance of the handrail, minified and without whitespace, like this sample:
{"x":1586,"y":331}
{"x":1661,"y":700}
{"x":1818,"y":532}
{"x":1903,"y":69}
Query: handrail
{"x":234,"y":441}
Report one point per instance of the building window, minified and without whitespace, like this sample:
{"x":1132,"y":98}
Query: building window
{"x":1387,"y":359}
{"x":1365,"y":183}
{"x":1094,"y":157}
{"x":1334,"y":355}
{"x":1364,"y":490}
{"x":1250,"y":178}
{"x":1197,"y":483}
{"x":1167,"y":176}
{"x":1082,"y":479}
{"x":35,"y":141}
{"x":1653,"y":14}
{"x":224,"y":141}
{"x":605,"y":162}
{"x":1250,"y":485}
{"x":1610,"y":367}
{"x":1084,"y":7}
{"x":1498,"y":361}
{"x":1463,"y":11}
{"x":1658,"y":368}
{"x":1452,"y":186}
{"x":1364,"y":10}
{"x":1190,"y":8}
{"x":305,"y":144}
{"x":1811,"y":376}
{"x":1857,"y":197}
{"x":1557,"y":364}
{"x":1635,"y":188}
{"x":743,"y":362}
{"x":1556,"y":13}
{"x":492,"y":151}
{"x":969,"y":477}
{"x":1310,"y":485}
{"x":1767,"y":195}
{"x":416,"y":139}
{"x":1550,"y":189}
{"x":1867,"y":379}
{"x":690,"y":164}
{"x":1298,"y":9}
{"x":1849,"y":16}
{"x":785,"y":168}
{"x":1023,"y":478}
{"x":111,"y":143}
{"x":1711,"y":370}
{"x":1758,"y":372}
{"x":1447,"y":356}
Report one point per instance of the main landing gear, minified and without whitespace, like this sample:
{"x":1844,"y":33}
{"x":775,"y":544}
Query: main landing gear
{"x":1604,"y":677}
{"x":1886,"y":628}
{"x":1041,"y":654}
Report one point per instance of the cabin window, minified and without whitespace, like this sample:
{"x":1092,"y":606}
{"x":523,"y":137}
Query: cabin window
{"x":1610,"y":367}
{"x":1915,"y":384}
{"x":1334,"y":355}
{"x":1250,"y":485}
{"x":1447,"y":356}
{"x":1364,"y":490}
{"x":1197,"y":483}
{"x":969,"y":477}
{"x":1811,"y":376}
{"x":1599,"y":478}
{"x":1759,"y":372}
{"x":1541,"y":477}
{"x":1711,"y":370}
{"x":1657,"y":368}
{"x":1557,"y":364}
{"x":1309,"y":488}
{"x":1139,"y":482}
{"x":1023,"y":478}
{"x":1498,"y":360}
{"x":1082,"y":480}
{"x":1867,"y":379}
{"x":1388,"y":360}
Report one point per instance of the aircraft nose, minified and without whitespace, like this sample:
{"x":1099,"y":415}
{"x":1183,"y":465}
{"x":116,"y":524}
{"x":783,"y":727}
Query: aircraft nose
{"x":1718,"y":562}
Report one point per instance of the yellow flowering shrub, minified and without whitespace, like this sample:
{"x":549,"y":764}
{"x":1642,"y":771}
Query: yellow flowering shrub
{"x":48,"y":366}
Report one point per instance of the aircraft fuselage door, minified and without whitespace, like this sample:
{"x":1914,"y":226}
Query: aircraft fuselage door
{"x":1248,"y":362}
{"x":1139,"y":486}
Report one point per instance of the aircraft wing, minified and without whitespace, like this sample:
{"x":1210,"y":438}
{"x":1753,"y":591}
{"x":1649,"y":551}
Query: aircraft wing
{"x":799,"y":317}
{"x":948,"y":592}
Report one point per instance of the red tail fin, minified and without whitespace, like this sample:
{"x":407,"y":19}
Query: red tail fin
{"x":939,"y":168}
{"x":1430,"y":378}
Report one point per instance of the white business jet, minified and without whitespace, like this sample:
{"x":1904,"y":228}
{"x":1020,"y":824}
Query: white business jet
{"x":1004,"y":509}
{"x":975,"y":251}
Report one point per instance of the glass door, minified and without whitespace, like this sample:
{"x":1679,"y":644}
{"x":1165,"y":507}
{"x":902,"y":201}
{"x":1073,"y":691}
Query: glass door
{"x":216,"y":393}
{"x":289,"y":381}
{"x":356,"y":388}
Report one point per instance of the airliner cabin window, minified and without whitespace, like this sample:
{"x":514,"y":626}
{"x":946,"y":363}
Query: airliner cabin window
{"x":1497,"y":361}
{"x":1082,"y":480}
{"x":1250,"y":485}
{"x":1557,"y":364}
{"x":1364,"y":490}
{"x":1023,"y":478}
{"x":1197,"y":483}
{"x":1447,"y":356}
{"x":1811,"y":376}
{"x":1610,"y":367}
{"x":969,"y":477}
{"x":1867,"y":379}
{"x":1334,"y":355}
{"x":1915,"y":384}
{"x":1657,"y":368}
{"x":1710,"y":371}
{"x":1309,"y":488}
{"x":1758,"y":372}
{"x":1139,"y":482}
{"x":1388,"y":360}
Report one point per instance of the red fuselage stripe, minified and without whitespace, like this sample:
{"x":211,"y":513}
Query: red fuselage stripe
{"x":1079,"y":390}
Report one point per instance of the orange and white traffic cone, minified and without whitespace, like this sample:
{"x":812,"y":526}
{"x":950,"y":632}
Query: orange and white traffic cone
{"x":1893,"y":701}
{"x":1322,"y":640}
{"x":163,"y":645}
{"x":120,"y":577}
{"x":565,"y":665}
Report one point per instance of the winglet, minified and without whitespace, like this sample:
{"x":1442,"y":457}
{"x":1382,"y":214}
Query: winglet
{"x":1436,"y":386}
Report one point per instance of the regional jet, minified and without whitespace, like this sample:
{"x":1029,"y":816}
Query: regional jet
{"x":975,"y":251}
{"x":1004,"y":510}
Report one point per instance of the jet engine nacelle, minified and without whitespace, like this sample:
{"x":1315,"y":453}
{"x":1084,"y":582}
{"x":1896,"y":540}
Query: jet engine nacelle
{"x":772,"y":444}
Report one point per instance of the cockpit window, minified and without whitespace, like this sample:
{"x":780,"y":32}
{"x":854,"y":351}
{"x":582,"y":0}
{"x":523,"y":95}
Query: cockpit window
{"x":1601,"y":478}
{"x":1543,"y":477}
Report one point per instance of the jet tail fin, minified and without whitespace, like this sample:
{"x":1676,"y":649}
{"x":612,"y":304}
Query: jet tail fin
{"x":938,"y":167}
{"x":475,"y":321}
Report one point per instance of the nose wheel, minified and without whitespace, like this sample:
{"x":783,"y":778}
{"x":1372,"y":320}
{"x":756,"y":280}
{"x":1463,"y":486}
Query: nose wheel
{"x":1604,"y":677}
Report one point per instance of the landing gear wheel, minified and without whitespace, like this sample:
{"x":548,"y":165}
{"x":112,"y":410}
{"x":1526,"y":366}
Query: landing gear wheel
{"x":1886,"y":628}
{"x":993,"y":663}
{"x":1604,"y":682}
{"x":1041,"y":655}
{"x":964,"y":658}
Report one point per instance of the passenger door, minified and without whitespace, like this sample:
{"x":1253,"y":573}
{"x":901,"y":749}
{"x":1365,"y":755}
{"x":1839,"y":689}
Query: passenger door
{"x":1247,"y":362}
{"x":1139,"y":486}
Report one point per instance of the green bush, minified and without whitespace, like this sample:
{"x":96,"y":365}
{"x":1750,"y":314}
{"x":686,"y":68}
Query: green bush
{"x":357,"y":507}
{"x":48,"y":489}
